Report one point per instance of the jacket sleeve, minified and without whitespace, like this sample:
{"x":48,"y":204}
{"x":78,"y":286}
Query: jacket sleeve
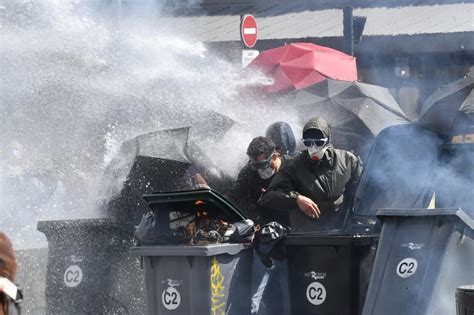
{"x":276,"y":197}
{"x":356,"y":169}
{"x":351,"y":186}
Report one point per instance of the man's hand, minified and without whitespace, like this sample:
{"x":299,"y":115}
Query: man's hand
{"x":308,"y":207}
{"x":200,"y":182}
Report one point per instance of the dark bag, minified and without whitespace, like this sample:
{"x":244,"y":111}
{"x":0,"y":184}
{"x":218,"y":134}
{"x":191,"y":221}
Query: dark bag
{"x":268,"y":242}
{"x":243,"y":232}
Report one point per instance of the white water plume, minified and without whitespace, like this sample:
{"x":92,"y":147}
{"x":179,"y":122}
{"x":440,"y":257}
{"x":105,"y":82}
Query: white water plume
{"x":74,"y":87}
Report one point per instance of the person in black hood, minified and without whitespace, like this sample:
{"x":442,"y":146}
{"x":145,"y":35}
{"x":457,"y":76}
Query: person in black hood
{"x":282,"y":135}
{"x":316,"y":185}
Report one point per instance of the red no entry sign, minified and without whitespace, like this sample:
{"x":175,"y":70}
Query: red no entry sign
{"x":248,"y":30}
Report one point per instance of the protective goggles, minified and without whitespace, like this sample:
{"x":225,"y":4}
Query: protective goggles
{"x":261,"y":165}
{"x":318,"y":142}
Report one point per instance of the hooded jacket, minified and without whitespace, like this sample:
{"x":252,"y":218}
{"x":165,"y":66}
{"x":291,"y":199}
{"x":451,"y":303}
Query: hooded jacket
{"x":282,"y":135}
{"x":328,"y":182}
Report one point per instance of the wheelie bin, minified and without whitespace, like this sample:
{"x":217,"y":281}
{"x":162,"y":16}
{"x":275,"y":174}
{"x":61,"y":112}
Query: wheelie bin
{"x":328,"y":274}
{"x":195,"y":279}
{"x":423,"y":255}
{"x":465,"y":300}
{"x":89,"y":269}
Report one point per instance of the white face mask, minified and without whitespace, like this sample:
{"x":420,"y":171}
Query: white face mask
{"x":316,"y":153}
{"x":266,"y":173}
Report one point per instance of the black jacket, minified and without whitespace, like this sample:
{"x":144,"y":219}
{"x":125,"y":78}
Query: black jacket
{"x":328,"y":183}
{"x":246,"y":191}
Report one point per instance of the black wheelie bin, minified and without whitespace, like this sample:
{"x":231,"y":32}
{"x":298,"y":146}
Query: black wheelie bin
{"x":195,"y":279}
{"x":328,"y":274}
{"x":422,"y":257}
{"x":89,"y":268}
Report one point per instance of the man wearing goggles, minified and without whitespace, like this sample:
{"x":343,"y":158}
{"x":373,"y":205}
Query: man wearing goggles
{"x":317,"y":183}
{"x":254,"y":178}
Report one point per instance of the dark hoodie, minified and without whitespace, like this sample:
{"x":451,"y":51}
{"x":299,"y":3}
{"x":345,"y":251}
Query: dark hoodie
{"x":246,"y":191}
{"x":282,"y":135}
{"x":328,"y":182}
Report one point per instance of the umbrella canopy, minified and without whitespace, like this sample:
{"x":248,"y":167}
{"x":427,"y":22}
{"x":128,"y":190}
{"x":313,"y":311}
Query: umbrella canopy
{"x":162,"y":161}
{"x":299,"y":65}
{"x":356,"y":111}
{"x":467,"y":106}
{"x":447,"y":104}
{"x":208,"y":125}
{"x":156,"y":161}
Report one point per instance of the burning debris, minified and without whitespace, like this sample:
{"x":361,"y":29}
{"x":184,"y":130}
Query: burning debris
{"x":201,"y":225}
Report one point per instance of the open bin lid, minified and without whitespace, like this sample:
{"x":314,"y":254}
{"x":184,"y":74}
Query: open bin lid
{"x":62,"y":228}
{"x":452,"y":212}
{"x":186,"y":199}
{"x":411,"y":172}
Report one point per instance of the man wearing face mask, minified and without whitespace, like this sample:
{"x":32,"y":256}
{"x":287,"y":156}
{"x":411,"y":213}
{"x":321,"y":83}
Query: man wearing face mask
{"x":255,"y":177}
{"x":316,"y":185}
{"x":269,"y":285}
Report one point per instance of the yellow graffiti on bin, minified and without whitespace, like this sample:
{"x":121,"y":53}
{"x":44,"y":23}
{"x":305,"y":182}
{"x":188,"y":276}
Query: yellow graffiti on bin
{"x":217,"y":289}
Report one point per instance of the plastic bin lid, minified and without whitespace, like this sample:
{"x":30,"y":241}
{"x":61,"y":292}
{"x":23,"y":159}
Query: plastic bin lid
{"x":453,"y":212}
{"x":467,"y":288}
{"x":191,"y":196}
{"x":188,"y":250}
{"x":58,"y":225}
{"x":297,"y":239}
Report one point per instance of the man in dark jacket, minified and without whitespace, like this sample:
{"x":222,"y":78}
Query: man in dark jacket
{"x":268,"y":284}
{"x":255,"y":177}
{"x":316,"y":185}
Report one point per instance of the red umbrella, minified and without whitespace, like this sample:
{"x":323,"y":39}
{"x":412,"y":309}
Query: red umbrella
{"x":299,"y":65}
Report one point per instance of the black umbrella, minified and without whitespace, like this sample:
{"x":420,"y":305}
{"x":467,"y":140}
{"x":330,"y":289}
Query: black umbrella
{"x":208,"y":125}
{"x":449,"y":106}
{"x":356,"y":111}
{"x":156,"y":161}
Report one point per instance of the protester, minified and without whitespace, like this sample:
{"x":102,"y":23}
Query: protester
{"x":7,"y":269}
{"x":282,"y":135}
{"x":255,"y":177}
{"x":314,"y":187}
{"x":269,"y":285}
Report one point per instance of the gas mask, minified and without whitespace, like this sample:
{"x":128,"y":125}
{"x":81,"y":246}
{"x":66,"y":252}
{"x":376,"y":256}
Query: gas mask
{"x":316,"y":153}
{"x":316,"y":147}
{"x":266,"y":173}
